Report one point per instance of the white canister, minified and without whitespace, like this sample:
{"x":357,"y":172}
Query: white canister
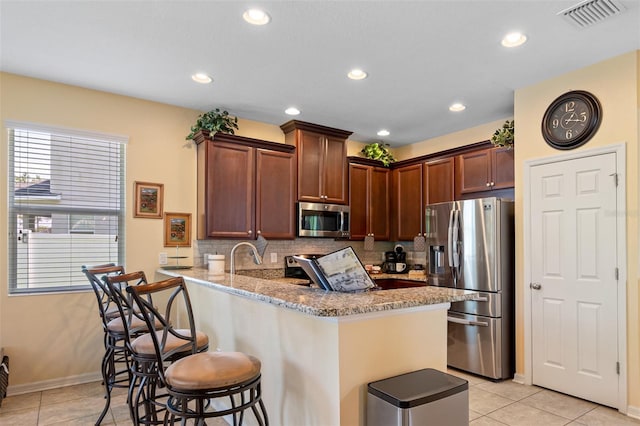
{"x":216,"y":264}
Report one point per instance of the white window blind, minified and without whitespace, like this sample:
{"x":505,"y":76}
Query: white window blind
{"x":66,"y":205}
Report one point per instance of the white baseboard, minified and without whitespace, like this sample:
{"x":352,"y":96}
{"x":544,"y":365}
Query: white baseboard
{"x":52,"y":384}
{"x":518,"y":378}
{"x":633,"y":412}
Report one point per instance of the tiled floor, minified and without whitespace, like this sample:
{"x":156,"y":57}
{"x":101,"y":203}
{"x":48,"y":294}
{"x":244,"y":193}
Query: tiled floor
{"x":509,"y":403}
{"x":504,"y":403}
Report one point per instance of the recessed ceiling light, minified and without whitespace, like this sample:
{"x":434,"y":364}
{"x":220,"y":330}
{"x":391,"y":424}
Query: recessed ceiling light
{"x":292,"y":111}
{"x":457,"y":107}
{"x":201,"y":78}
{"x":383,"y":132}
{"x":256,"y":17}
{"x":514,"y":39}
{"x":357,"y":74}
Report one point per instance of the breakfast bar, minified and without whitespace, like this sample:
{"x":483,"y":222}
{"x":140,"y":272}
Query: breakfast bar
{"x":318,"y":348}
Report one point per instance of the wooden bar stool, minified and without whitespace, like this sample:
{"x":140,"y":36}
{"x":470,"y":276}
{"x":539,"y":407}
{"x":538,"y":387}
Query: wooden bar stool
{"x":146,"y":405}
{"x":196,"y":383}
{"x":115,"y":366}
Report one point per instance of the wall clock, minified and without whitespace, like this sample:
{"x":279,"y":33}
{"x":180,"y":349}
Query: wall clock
{"x":571,"y":120}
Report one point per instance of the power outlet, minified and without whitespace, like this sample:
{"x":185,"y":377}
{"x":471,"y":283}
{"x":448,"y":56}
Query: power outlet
{"x":162,"y":258}
{"x":274,"y":257}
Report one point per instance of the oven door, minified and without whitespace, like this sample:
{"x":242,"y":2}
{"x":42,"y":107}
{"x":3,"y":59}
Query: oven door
{"x":475,"y":344}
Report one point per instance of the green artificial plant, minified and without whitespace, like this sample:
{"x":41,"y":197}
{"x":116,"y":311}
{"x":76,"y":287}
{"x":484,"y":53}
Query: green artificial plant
{"x":504,"y":136}
{"x":214,"y":121}
{"x":378,"y":151}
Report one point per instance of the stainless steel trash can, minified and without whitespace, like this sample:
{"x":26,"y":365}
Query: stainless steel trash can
{"x":420,"y":398}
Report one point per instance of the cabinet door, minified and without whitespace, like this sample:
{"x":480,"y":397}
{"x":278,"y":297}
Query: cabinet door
{"x":334,"y":183}
{"x":475,"y":171}
{"x":379,"y":217}
{"x":439,"y":180}
{"x":408,"y":202}
{"x":275,"y":194}
{"x":358,"y":200}
{"x":230,"y":191}
{"x":502,"y":168}
{"x":310,"y":147}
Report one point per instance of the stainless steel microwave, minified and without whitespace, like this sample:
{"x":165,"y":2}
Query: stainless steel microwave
{"x":323,"y":220}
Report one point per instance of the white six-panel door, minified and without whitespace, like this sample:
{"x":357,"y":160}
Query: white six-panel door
{"x":573,"y":269}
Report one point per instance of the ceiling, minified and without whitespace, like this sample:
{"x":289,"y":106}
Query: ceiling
{"x":421,"y":56}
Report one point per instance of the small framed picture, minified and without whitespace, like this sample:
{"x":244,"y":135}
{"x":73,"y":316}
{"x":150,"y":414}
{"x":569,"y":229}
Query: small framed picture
{"x":177,"y":229}
{"x":148,"y":200}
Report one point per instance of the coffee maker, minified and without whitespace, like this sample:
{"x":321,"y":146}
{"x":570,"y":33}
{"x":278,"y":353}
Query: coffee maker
{"x":395,"y":262}
{"x":389,"y":265}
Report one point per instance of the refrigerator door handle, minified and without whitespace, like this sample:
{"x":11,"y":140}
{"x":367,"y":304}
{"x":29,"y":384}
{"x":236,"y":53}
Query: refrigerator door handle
{"x":456,"y":240}
{"x":450,"y":238}
{"x":467,"y":322}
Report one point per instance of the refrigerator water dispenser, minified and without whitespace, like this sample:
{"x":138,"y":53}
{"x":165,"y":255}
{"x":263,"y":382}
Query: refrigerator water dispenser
{"x":437,"y":263}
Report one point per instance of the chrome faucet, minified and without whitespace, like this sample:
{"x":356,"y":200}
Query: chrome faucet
{"x":254,"y":252}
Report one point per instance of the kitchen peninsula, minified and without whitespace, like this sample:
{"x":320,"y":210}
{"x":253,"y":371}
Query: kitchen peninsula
{"x":319,"y":349}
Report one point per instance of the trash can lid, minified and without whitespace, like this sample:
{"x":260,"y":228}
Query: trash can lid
{"x":417,"y":388}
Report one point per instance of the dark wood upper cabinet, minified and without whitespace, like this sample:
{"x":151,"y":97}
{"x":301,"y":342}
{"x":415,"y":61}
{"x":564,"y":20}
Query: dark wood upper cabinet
{"x":439,"y":180}
{"x":407,"y":202}
{"x":322,"y":161}
{"x":230,"y":191}
{"x":275,"y":194}
{"x":485,"y":170}
{"x":246,"y":187}
{"x":369,"y":190}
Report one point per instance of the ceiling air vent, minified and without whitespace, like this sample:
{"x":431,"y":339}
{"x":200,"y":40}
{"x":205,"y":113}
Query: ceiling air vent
{"x":590,"y":12}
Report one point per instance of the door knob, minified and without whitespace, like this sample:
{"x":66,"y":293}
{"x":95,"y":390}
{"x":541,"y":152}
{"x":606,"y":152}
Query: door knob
{"x":535,"y":286}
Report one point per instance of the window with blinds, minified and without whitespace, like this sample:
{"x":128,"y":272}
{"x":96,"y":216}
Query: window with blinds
{"x":66,"y":205}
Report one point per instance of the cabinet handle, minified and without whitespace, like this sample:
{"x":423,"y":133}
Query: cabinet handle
{"x":249,"y":232}
{"x":259,"y":232}
{"x":488,"y":184}
{"x":493,"y":183}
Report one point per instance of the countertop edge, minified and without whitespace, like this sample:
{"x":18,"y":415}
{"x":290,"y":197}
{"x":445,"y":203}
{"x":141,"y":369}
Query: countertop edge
{"x":321,"y":303}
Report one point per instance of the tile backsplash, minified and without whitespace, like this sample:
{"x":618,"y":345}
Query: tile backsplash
{"x":298,"y":246}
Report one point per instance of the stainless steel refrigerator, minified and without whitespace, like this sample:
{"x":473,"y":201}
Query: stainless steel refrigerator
{"x":471,"y":246}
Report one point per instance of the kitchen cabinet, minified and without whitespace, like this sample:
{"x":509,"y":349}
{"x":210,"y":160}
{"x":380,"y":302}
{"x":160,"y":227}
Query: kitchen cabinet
{"x":485,"y":170}
{"x":438,"y":180}
{"x":407,"y":202}
{"x":246,"y":188}
{"x":321,"y":161}
{"x":369,"y":191}
{"x":415,"y":186}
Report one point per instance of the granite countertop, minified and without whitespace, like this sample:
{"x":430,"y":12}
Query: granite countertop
{"x":314,"y":301}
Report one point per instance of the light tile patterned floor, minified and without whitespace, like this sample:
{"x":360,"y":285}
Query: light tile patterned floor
{"x":490,"y":404}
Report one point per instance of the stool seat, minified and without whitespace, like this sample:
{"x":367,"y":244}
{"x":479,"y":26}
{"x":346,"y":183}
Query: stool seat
{"x":136,"y":326}
{"x":111,"y":312}
{"x":212,"y":370}
{"x":143,"y":345}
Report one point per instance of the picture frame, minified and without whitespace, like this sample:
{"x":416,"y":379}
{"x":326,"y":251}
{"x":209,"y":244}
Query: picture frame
{"x":177,"y":229}
{"x":148,"y":200}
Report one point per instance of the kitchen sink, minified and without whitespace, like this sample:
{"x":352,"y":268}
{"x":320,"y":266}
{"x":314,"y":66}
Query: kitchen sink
{"x":393,"y":283}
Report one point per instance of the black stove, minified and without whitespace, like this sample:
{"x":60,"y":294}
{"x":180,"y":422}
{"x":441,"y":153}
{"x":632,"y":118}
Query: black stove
{"x":293,"y":270}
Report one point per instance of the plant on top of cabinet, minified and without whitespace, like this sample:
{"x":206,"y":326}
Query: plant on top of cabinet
{"x":378,"y":151}
{"x":214,"y":121}
{"x":503,"y":137}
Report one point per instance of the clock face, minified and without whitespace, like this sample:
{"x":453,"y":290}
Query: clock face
{"x":571,"y":120}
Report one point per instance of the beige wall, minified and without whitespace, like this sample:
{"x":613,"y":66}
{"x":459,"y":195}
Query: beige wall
{"x":464,"y":137}
{"x":58,"y":336}
{"x":615,"y":83}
